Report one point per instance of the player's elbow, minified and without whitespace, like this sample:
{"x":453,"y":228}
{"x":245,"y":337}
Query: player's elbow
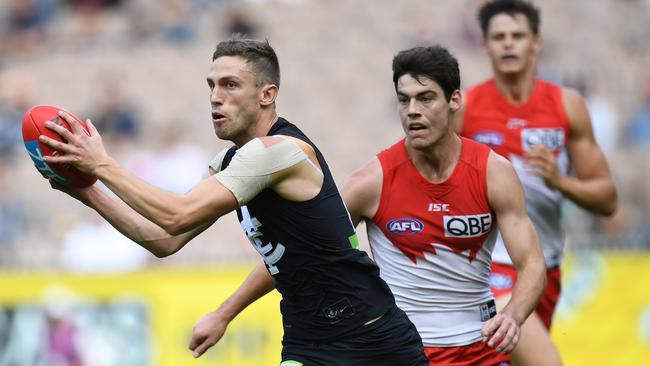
{"x":161,"y":253}
{"x":176,"y":224}
{"x":164,"y":252}
{"x":176,"y":227}
{"x":610,"y":204}
{"x":164,"y":248}
{"x":610,"y":210}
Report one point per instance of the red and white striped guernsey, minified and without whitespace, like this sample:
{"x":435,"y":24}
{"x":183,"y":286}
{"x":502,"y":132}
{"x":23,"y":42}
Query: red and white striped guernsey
{"x":433,"y":244}
{"x":511,"y":131}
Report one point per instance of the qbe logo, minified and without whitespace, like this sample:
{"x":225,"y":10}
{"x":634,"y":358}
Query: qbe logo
{"x":468,"y":226}
{"x":551,"y":138}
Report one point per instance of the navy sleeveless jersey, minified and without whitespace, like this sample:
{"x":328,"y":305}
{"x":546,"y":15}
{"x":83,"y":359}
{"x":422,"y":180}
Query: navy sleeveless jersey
{"x":329,"y":289}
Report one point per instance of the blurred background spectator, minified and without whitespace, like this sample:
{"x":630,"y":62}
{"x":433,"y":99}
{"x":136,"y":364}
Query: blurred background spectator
{"x":139,"y":74}
{"x":137,"y":68}
{"x":92,"y":245}
{"x":113,"y":112}
{"x":638,"y":129}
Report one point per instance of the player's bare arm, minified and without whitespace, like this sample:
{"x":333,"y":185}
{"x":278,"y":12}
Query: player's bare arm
{"x":506,"y":197}
{"x":209,"y":329}
{"x":362,"y":190}
{"x":592,"y":188}
{"x":131,"y":224}
{"x":176,"y":214}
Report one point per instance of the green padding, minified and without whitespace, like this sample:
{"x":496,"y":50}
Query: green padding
{"x":354,"y":241}
{"x":291,"y":363}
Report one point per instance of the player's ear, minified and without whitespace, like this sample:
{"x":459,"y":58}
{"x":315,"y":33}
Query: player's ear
{"x":456,"y":100}
{"x":268,"y":93}
{"x":537,"y":44}
{"x":484,"y":44}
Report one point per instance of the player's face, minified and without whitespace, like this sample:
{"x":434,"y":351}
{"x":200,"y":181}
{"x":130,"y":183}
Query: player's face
{"x":511,"y":44}
{"x":424,"y":111}
{"x":234,"y":96}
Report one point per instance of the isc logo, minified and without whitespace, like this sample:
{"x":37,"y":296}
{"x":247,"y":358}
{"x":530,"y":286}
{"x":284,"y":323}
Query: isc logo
{"x":438,"y":207}
{"x":468,"y":226}
{"x":551,"y":138}
{"x":405,"y":226}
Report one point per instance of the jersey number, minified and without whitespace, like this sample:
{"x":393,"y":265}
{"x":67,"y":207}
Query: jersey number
{"x":252,"y":226}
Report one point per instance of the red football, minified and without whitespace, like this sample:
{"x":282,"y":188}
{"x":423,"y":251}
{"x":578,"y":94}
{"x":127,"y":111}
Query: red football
{"x":33,"y":127}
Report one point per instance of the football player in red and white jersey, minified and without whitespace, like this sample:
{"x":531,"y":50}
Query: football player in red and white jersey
{"x":432,"y":203}
{"x":544,"y":130}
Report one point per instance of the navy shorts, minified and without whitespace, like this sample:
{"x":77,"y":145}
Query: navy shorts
{"x":390,"y":341}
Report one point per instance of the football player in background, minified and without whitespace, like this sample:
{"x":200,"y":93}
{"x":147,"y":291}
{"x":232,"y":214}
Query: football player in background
{"x":544,"y":129}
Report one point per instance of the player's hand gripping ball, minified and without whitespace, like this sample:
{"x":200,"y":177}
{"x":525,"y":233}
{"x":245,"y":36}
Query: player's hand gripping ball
{"x":33,"y":127}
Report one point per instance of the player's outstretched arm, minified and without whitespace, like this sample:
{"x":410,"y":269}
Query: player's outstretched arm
{"x":593,"y":187}
{"x":176,"y":214}
{"x":362,"y":190}
{"x":131,"y":224}
{"x":506,"y":197}
{"x":209,"y":329}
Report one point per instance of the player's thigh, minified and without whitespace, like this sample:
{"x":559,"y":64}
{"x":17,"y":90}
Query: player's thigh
{"x":535,"y":346}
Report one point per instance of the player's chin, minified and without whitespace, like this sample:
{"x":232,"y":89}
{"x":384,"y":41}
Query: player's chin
{"x":221,"y":132}
{"x":418,"y":142}
{"x":510,"y":68}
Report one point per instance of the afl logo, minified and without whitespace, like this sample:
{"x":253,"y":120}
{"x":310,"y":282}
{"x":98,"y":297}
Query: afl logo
{"x":468,"y":226}
{"x":405,"y":226}
{"x":489,"y":138}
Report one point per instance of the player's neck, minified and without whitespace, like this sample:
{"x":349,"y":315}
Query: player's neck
{"x":261,"y":128}
{"x":516,"y":88}
{"x":437,"y":163}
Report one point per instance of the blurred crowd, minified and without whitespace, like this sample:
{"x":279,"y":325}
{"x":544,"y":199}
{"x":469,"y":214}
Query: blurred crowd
{"x":137,"y":69}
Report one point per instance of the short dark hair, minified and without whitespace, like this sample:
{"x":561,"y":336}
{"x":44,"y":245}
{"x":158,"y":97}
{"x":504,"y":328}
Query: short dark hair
{"x":258,"y":54}
{"x":510,"y":7}
{"x":434,"y":62}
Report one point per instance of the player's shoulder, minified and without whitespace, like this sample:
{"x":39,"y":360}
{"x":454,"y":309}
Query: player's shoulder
{"x":264,"y":145}
{"x":366,"y":176}
{"x":362,"y":190}
{"x":498,"y":166}
{"x":494,"y":158}
{"x":575,"y":108}
{"x":571,"y":95}
{"x":502,"y":179}
{"x":270,"y":141}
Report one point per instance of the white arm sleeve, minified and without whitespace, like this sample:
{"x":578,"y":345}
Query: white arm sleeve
{"x":215,"y":164}
{"x":250,"y":170}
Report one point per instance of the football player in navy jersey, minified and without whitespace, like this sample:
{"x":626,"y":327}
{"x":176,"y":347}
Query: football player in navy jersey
{"x":289,"y":207}
{"x":432,"y":203}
